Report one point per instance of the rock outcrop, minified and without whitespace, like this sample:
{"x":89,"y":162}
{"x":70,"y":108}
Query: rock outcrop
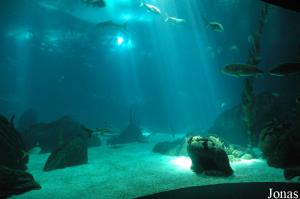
{"x":208,"y":156}
{"x":52,"y":135}
{"x":231,"y":126}
{"x":132,"y":133}
{"x":12,"y":147}
{"x":13,"y":182}
{"x":73,"y":152}
{"x":280,"y":143}
{"x":178,"y":148}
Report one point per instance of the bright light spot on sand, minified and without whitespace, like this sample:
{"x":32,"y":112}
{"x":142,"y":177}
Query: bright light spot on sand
{"x":182,"y":162}
{"x":246,"y":163}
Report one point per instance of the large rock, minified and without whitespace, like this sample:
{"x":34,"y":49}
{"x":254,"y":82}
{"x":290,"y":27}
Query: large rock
{"x":178,"y":148}
{"x":52,"y":135}
{"x":208,"y":156}
{"x":231,"y":126}
{"x":12,"y":147}
{"x":132,"y":133}
{"x":280,"y":143}
{"x":73,"y":152}
{"x":14,"y":182}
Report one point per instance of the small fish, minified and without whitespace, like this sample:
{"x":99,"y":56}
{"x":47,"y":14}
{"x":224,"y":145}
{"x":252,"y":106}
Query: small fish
{"x":286,"y":69}
{"x":243,"y":70}
{"x":275,"y":94}
{"x":103,"y":131}
{"x":151,"y":8}
{"x":213,"y":25}
{"x":216,"y":26}
{"x":175,"y":20}
{"x":100,"y":131}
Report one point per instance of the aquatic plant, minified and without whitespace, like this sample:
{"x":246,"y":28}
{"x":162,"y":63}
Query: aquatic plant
{"x":248,"y":96}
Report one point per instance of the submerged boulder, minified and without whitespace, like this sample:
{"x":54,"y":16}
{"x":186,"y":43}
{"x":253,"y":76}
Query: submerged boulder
{"x":208,"y":156}
{"x":52,"y":135}
{"x":178,"y":148}
{"x":12,"y":147}
{"x":132,"y":133}
{"x":231,"y":126}
{"x":14,"y":182}
{"x":73,"y":152}
{"x":280,"y":144}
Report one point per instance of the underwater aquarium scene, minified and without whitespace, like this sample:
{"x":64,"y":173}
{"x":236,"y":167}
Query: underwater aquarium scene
{"x":123,"y":99}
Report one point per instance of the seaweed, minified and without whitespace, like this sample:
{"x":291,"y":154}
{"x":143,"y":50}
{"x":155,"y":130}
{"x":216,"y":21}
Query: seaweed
{"x":248,"y":96}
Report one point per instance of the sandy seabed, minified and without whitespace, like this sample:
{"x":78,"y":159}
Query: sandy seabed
{"x":132,"y":171}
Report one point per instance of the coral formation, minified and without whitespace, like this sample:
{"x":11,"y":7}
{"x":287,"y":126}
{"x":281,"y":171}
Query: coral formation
{"x":178,"y":148}
{"x":208,"y":156}
{"x":249,"y":98}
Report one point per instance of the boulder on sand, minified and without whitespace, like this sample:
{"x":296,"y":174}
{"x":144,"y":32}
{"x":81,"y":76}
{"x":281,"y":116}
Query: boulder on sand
{"x":208,"y":156}
{"x":73,"y":152}
{"x":12,"y":147}
{"x":52,"y":135}
{"x":14,"y":182}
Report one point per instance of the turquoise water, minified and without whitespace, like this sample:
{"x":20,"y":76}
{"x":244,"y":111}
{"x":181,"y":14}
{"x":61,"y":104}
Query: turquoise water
{"x":56,"y":61}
